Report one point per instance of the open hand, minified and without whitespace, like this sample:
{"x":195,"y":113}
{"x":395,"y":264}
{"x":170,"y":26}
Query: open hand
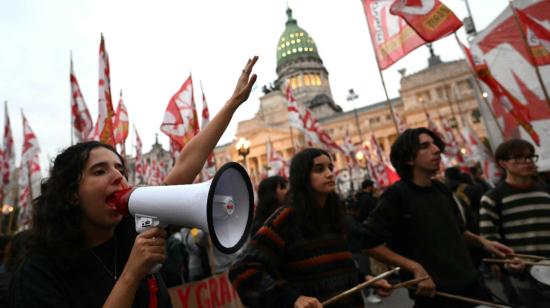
{"x":245,"y":83}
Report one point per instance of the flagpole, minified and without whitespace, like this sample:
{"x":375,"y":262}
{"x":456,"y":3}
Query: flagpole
{"x":480,"y":91}
{"x":382,"y":78}
{"x":530,"y":51}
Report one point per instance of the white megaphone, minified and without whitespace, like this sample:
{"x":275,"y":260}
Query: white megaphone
{"x":222,"y":206}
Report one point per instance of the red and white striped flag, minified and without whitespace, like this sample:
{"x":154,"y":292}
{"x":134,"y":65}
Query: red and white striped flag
{"x":512,"y":105}
{"x":385,"y":174}
{"x":209,"y":168}
{"x":430,"y":19}
{"x":277,"y":165}
{"x":104,"y":126}
{"x":29,"y":175}
{"x":391,"y":37}
{"x":480,"y":153}
{"x":307,"y":123}
{"x":295,"y":118}
{"x":140,"y":168}
{"x":121,"y":125}
{"x":180,"y":121}
{"x":349,"y":149}
{"x":538,"y":37}
{"x":401,"y":127}
{"x":8,"y":156}
{"x":81,"y":120}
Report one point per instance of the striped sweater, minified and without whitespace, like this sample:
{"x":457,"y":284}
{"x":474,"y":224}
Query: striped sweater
{"x":280,"y":264}
{"x":517,"y":217}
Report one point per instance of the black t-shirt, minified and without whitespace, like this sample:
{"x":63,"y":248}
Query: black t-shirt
{"x":423,"y":224}
{"x":45,"y":280}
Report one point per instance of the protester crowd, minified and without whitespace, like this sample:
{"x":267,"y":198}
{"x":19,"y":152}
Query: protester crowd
{"x":442,"y":226}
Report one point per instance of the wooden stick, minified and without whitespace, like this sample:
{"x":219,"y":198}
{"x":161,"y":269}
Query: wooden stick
{"x":524,"y":256}
{"x":408,"y":283}
{"x":467,"y":299}
{"x":359,"y":287}
{"x":507,"y":261}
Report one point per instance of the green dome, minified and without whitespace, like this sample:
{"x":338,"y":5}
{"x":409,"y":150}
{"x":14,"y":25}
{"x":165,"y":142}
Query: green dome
{"x":295,"y":43}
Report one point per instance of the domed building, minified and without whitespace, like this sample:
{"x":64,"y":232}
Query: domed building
{"x":300,"y":66}
{"x":443,"y":88}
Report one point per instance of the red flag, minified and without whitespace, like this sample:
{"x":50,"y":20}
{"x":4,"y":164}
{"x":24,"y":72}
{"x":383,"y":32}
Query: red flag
{"x":349,"y":149}
{"x":401,"y":127}
{"x":385,"y":175}
{"x":8,"y":153}
{"x":538,"y":37}
{"x":104,"y":126}
{"x":121,"y":122}
{"x":295,"y":117}
{"x":511,"y":104}
{"x":209,"y":168}
{"x":81,"y":120}
{"x":276,"y":163}
{"x":140,"y":168}
{"x":517,"y":110}
{"x":180,"y":121}
{"x":391,"y":37}
{"x":29,"y":174}
{"x":431,"y":19}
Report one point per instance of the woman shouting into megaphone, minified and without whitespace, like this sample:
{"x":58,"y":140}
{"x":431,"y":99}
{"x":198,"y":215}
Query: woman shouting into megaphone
{"x":82,"y":253}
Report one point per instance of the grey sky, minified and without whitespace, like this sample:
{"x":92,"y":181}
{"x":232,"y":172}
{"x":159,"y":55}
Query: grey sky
{"x":154,"y":45}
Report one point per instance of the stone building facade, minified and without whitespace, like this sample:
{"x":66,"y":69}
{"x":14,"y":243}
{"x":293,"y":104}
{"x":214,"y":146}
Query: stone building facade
{"x":443,"y":89}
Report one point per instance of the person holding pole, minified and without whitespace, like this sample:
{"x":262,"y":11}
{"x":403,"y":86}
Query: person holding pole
{"x":517,"y":212}
{"x":299,"y":257}
{"x":417,"y":226}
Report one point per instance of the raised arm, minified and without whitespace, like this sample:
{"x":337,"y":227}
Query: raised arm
{"x":194,"y":154}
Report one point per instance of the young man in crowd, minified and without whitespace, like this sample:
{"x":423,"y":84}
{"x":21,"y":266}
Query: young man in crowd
{"x":517,"y":213}
{"x":417,"y":226}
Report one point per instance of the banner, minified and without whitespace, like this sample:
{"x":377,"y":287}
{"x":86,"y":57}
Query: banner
{"x":81,"y":120}
{"x":431,"y":19}
{"x":215,"y":291}
{"x":501,"y":46}
{"x":537,"y":36}
{"x":103,"y":130}
{"x":181,"y":122}
{"x":391,"y":37}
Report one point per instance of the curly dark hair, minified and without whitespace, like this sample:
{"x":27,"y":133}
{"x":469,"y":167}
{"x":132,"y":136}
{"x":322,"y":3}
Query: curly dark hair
{"x":56,"y":223}
{"x":404,"y":149}
{"x":267,"y":199}
{"x":301,"y":196}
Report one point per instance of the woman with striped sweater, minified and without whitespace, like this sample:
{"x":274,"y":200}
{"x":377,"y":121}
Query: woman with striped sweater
{"x":299,"y":257}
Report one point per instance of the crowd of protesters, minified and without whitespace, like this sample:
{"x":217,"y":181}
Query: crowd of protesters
{"x":309,"y":244}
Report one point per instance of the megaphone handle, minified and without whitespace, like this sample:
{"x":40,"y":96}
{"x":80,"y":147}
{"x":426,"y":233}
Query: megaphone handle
{"x":144,"y":222}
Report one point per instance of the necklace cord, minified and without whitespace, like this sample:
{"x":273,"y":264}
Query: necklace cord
{"x":111,"y":274}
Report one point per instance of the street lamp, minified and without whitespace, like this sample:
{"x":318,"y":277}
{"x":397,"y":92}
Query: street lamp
{"x":243,"y":148}
{"x":351,"y":97}
{"x":360,"y":157}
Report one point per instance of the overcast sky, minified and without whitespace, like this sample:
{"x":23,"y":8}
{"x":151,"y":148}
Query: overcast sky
{"x":154,"y":45}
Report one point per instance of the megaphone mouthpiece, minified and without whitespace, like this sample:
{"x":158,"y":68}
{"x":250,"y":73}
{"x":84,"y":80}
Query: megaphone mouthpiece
{"x":119,"y":201}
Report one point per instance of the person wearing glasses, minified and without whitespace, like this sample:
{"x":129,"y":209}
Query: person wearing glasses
{"x":517,"y":213}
